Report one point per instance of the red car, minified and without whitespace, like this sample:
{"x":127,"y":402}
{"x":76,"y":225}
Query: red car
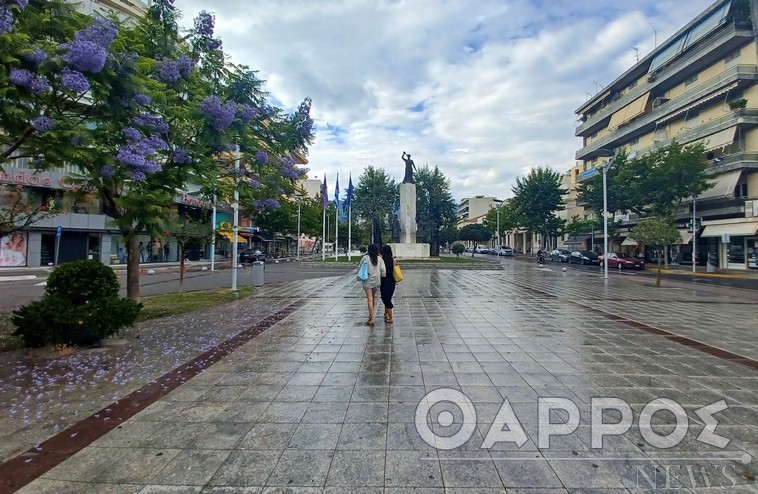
{"x":622,"y":262}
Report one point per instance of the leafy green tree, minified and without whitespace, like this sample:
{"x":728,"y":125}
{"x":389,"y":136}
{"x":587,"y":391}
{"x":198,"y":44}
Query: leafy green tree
{"x":142,"y":111}
{"x":536,"y":199}
{"x":660,"y":232}
{"x":377,"y":196}
{"x":458,"y":249}
{"x":189,"y":233}
{"x":660,"y":180}
{"x":475,"y":233}
{"x":449,"y":233}
{"x":435,"y":205}
{"x":590,"y":191}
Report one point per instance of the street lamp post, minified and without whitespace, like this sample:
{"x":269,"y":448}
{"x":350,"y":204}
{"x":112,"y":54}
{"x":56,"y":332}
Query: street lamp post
{"x":500,"y":203}
{"x":606,"y":167}
{"x":299,"y":201}
{"x":235,"y":227}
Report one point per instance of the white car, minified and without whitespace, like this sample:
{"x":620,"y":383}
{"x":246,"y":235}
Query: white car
{"x":503,"y":250}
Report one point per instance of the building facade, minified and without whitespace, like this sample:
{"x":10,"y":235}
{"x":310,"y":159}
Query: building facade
{"x":700,"y":85}
{"x":472,"y":210}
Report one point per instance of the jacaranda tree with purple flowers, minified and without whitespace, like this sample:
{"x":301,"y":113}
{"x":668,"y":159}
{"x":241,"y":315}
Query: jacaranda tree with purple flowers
{"x":143,"y":112}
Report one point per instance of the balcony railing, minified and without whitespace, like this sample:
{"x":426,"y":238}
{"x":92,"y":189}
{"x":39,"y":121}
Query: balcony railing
{"x":710,"y":45}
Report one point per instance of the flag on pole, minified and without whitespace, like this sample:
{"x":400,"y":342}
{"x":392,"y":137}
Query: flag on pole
{"x":337,"y":192}
{"x":349,"y":199}
{"x":325,"y":193}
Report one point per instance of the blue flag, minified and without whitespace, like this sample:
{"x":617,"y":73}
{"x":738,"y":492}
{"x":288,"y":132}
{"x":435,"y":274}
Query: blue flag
{"x":325,"y":193}
{"x":337,"y":192}
{"x":349,"y":199}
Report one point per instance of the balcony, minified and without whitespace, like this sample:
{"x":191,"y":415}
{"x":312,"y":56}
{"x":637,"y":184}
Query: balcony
{"x":711,"y":49}
{"x":646,"y":123}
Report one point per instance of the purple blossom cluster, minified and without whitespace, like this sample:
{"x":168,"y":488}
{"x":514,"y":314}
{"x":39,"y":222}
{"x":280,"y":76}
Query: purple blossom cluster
{"x":89,"y":49}
{"x":25,"y":79}
{"x":36,"y":57}
{"x":43,"y":123}
{"x":74,"y":80}
{"x":185,"y":65}
{"x":263,"y":204}
{"x":289,"y":170}
{"x":168,"y":71}
{"x":152,"y":122}
{"x":134,"y":155}
{"x":182,"y":157}
{"x":253,"y":183}
{"x":246,"y":113}
{"x":6,"y":17}
{"x":204,"y":24}
{"x":107,"y":171}
{"x":142,"y":99}
{"x":261,"y":157}
{"x":303,"y":118}
{"x":221,"y":116}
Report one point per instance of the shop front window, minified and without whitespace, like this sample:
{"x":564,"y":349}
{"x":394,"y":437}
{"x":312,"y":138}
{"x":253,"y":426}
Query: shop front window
{"x":736,"y":250}
{"x":752,"y":253}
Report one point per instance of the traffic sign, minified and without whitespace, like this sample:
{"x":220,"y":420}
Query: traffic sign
{"x":59,"y":232}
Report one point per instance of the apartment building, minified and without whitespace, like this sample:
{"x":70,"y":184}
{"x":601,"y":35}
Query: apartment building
{"x":700,"y":85}
{"x":473,"y":209}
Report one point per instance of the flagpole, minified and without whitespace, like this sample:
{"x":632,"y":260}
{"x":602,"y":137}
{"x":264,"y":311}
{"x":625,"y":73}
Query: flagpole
{"x":323,"y":237}
{"x":349,"y":230}
{"x":336,"y":233}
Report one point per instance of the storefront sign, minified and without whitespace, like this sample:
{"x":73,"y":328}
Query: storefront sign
{"x":33,"y":178}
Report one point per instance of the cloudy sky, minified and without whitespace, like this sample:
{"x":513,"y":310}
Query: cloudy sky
{"x":484,"y":89}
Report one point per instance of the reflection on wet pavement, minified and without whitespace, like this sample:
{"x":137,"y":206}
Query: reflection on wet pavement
{"x":320,"y":401}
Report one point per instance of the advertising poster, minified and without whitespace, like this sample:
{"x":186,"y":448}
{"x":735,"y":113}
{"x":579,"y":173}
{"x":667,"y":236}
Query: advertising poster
{"x":13,"y":250}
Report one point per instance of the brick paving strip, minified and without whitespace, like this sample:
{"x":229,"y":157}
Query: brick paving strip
{"x":26,"y":467}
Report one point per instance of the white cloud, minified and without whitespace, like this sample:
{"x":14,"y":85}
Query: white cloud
{"x":496,"y":82}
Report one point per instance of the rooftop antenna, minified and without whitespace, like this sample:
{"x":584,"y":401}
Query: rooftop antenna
{"x":636,"y":53}
{"x":655,"y":34}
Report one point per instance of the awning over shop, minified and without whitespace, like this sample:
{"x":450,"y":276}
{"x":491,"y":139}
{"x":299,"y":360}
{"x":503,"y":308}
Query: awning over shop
{"x":723,"y":185}
{"x":629,"y":242}
{"x":630,"y":111}
{"x":736,"y":229}
{"x":230,"y":237}
{"x":686,"y":237}
{"x":579,"y":239}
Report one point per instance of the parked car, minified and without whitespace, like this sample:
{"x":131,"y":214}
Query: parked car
{"x":480,"y":249}
{"x":252,"y":255}
{"x":503,"y":250}
{"x":622,"y":262}
{"x":560,"y":255}
{"x":583,"y":257}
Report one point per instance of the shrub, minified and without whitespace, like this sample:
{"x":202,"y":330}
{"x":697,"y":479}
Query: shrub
{"x":363,"y":249}
{"x":458,"y":249}
{"x":81,"y":305}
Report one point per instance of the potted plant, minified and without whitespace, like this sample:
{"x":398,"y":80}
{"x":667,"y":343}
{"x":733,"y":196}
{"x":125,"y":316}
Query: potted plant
{"x":738,"y":104}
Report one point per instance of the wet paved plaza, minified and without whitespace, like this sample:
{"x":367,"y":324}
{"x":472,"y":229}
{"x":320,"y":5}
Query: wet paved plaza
{"x":320,"y":402}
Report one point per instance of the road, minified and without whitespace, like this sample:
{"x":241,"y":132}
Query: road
{"x":14,"y":294}
{"x":30,"y":287}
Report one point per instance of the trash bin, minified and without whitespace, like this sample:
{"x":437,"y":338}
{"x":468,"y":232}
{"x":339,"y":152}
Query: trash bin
{"x":710,"y":268}
{"x":258,"y":267}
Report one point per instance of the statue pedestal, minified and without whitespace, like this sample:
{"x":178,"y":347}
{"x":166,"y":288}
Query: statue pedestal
{"x":407,"y":247}
{"x":410,"y":251}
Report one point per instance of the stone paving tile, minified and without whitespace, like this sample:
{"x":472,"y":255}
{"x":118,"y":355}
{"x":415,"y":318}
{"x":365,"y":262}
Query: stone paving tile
{"x":322,"y":403}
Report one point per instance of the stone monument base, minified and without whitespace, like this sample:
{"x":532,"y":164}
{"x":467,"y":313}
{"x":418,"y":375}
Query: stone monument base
{"x":410,"y":251}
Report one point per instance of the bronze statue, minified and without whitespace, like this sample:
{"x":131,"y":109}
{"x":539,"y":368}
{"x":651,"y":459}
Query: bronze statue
{"x":410,"y":167}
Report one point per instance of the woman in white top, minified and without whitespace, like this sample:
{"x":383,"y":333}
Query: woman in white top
{"x":376,"y":271}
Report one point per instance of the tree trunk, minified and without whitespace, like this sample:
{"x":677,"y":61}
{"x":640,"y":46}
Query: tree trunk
{"x":377,"y":234}
{"x":666,"y":257}
{"x":658,"y":276}
{"x":132,"y":266}
{"x":434,"y":250}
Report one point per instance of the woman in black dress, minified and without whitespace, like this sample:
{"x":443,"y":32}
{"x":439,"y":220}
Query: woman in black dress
{"x":387,"y":287}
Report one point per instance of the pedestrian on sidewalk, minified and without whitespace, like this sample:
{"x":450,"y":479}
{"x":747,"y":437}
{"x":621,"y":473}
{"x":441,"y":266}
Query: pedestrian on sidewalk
{"x":376,"y":271}
{"x":387,"y":286}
